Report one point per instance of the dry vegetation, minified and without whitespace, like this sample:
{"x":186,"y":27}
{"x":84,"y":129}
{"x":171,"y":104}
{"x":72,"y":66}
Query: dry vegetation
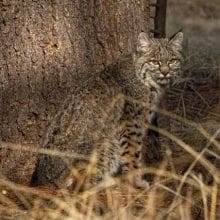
{"x":186,"y":184}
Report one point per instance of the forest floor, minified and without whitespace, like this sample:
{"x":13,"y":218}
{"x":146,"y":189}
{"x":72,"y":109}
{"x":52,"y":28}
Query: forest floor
{"x":186,"y":183}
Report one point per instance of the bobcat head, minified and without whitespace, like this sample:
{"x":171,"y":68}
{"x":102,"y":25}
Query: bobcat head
{"x":158,"y":61}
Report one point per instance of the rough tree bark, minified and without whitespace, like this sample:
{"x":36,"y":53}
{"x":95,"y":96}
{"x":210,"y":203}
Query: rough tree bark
{"x":42,"y":44}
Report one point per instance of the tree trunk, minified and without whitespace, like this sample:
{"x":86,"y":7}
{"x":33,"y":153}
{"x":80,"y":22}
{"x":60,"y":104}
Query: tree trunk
{"x":44,"y":43}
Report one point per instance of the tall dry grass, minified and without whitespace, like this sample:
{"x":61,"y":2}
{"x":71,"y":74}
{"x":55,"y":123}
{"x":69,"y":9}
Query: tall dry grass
{"x":185,"y":185}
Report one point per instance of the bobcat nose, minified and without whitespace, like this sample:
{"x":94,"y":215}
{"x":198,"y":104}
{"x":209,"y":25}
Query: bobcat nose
{"x":164,"y":69}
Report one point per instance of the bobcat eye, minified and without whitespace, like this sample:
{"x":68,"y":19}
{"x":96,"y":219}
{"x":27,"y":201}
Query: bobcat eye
{"x":154,"y":62}
{"x":173,"y":61}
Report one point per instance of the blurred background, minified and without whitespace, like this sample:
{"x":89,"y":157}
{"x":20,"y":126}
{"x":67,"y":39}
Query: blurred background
{"x":200,"y":21}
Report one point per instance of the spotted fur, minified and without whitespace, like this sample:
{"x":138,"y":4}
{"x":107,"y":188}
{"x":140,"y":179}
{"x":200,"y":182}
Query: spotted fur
{"x":107,"y":116}
{"x":159,"y":60}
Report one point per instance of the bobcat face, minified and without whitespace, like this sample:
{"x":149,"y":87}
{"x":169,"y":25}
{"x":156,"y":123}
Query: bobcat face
{"x":158,"y":61}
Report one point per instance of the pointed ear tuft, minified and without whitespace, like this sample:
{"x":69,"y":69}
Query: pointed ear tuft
{"x":143,"y":42}
{"x":177,"y":40}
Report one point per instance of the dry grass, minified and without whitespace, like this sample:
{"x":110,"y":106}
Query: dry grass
{"x":185,"y":185}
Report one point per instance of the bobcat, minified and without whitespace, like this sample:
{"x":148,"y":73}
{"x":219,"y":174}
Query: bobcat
{"x":108,"y":115}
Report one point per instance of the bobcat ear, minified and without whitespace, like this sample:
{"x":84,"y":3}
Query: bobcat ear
{"x":143,"y":42}
{"x":177,"y":40}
